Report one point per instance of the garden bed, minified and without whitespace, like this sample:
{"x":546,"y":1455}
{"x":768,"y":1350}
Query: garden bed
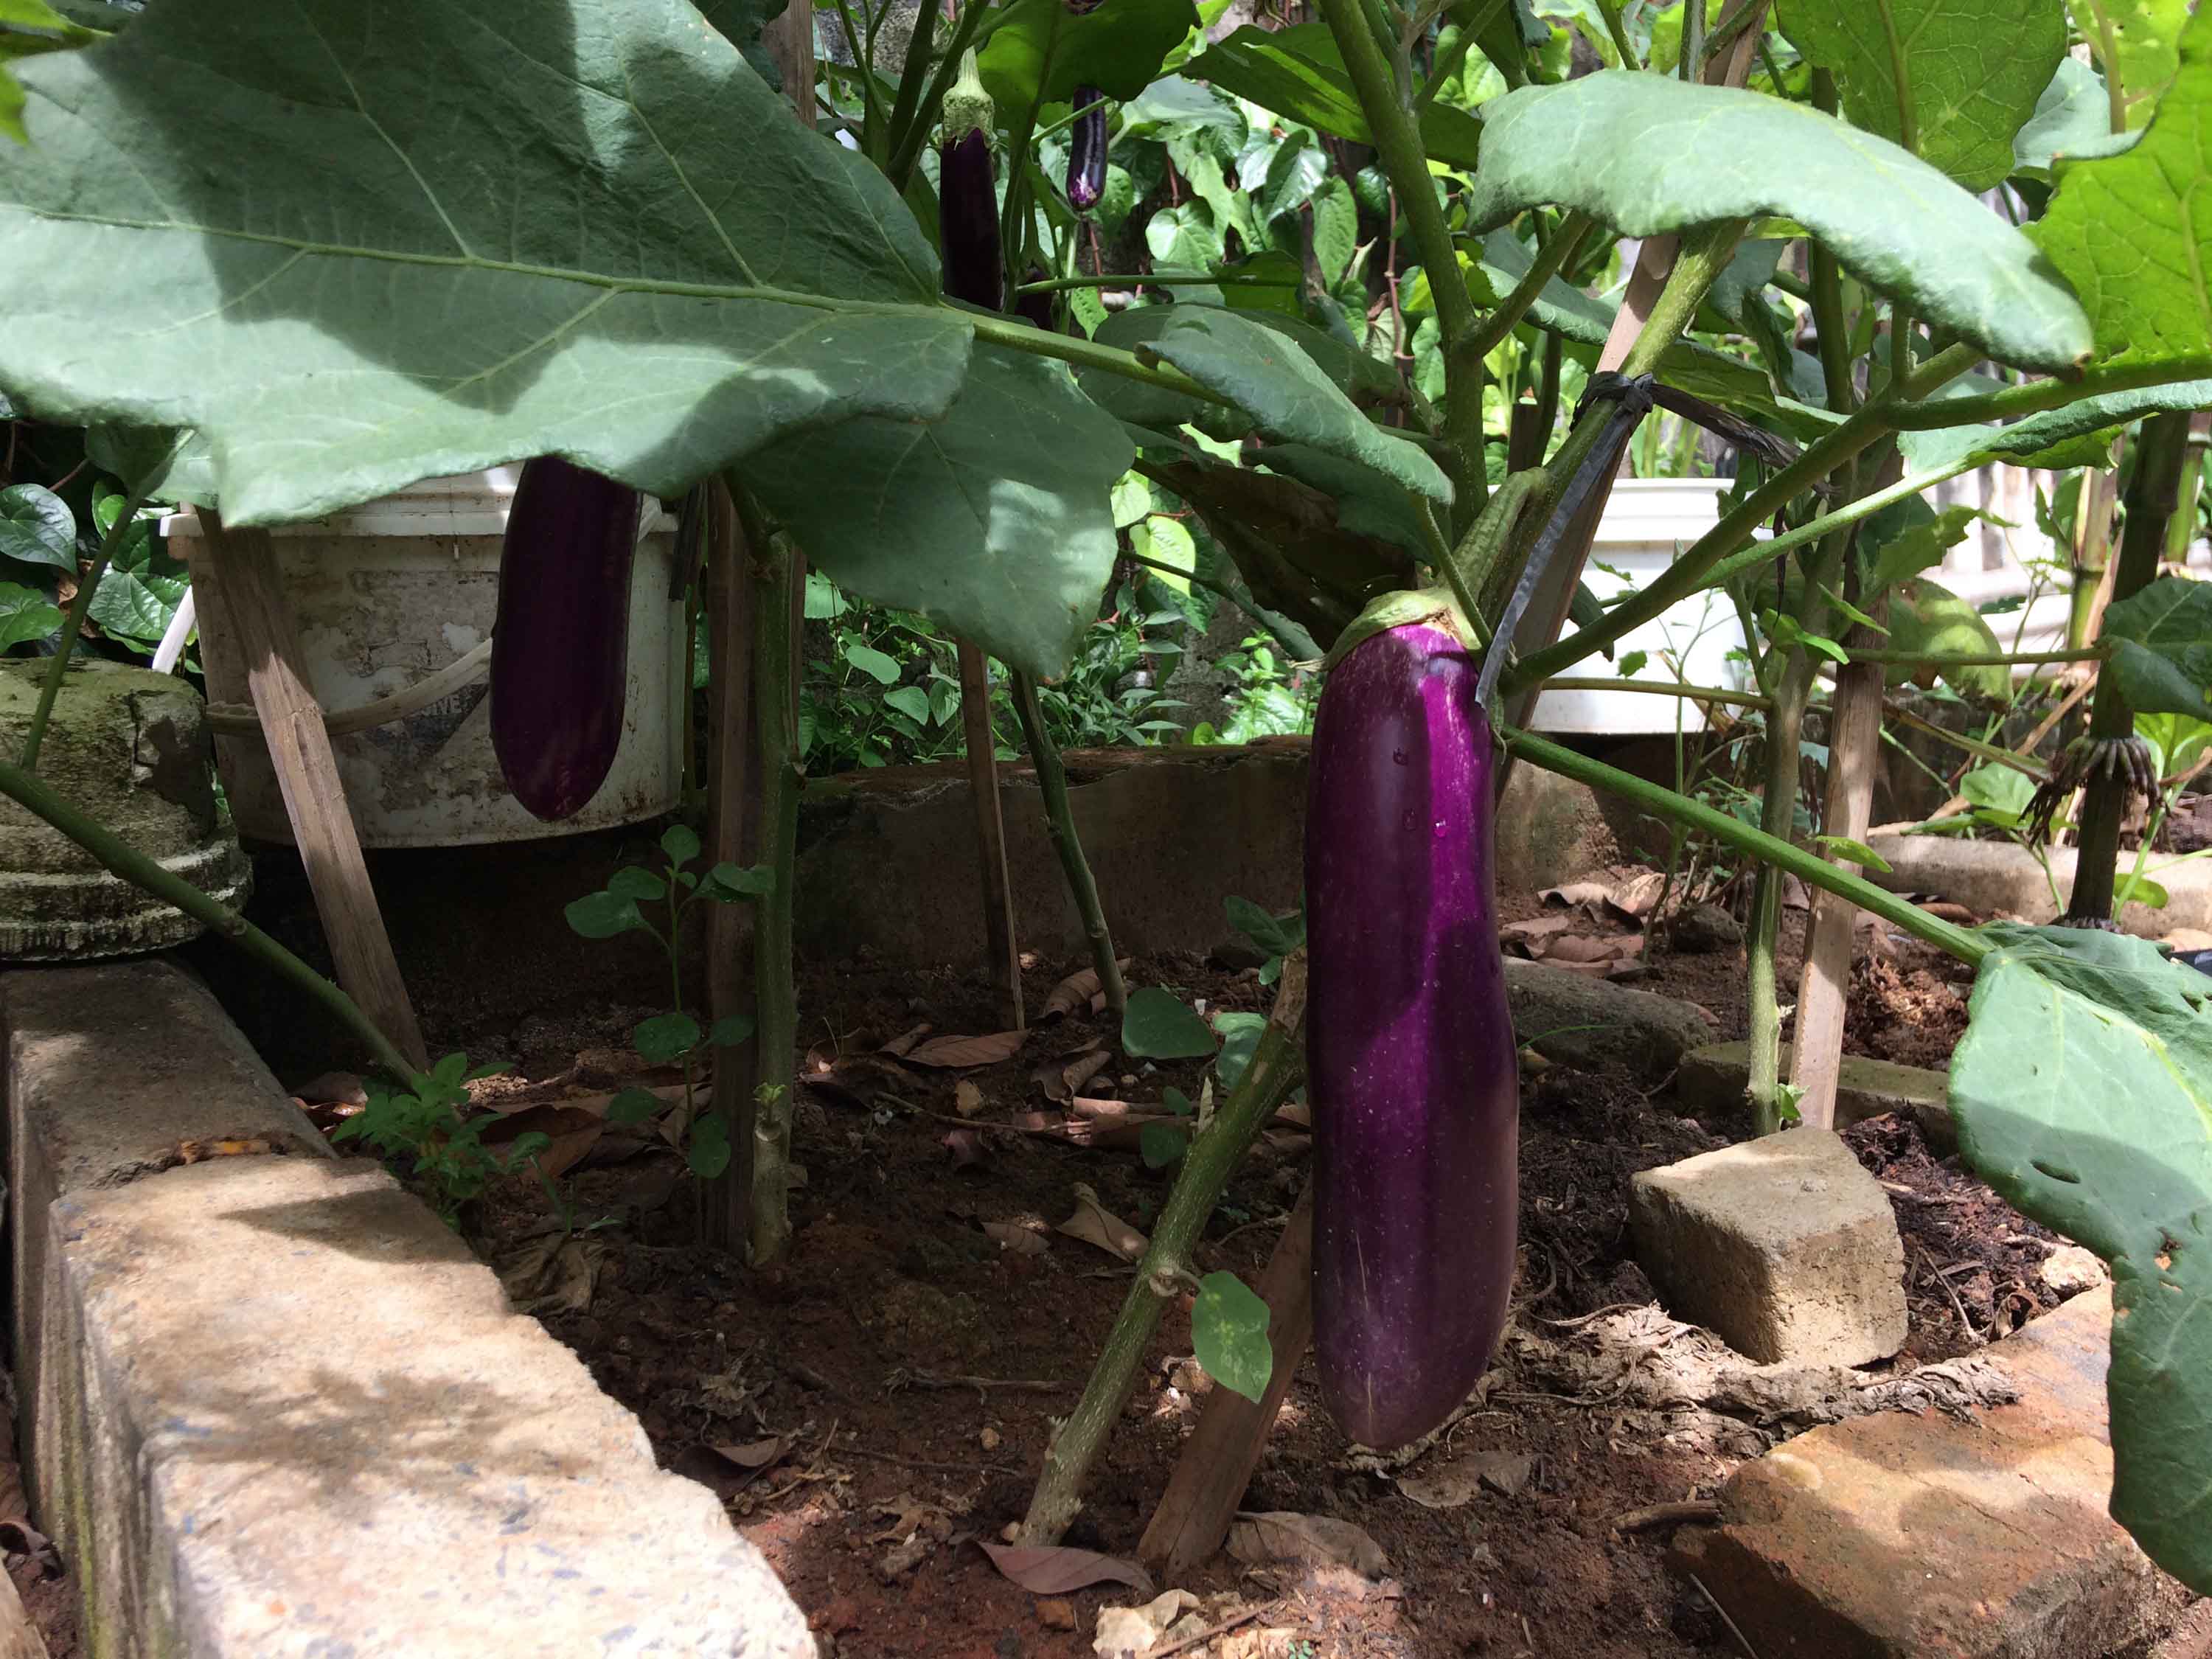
{"x":863,"y":1467}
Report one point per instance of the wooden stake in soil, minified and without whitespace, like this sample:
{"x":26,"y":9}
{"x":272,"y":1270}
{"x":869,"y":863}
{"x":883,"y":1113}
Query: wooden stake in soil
{"x":1003,"y":951}
{"x":1855,"y":747}
{"x":1207,"y":1486}
{"x":733,"y":836}
{"x":236,"y":583}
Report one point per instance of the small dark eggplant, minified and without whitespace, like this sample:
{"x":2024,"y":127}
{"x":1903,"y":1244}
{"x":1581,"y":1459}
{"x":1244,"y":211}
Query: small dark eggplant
{"x":1086,"y":152}
{"x":560,"y":649}
{"x":967,"y":223}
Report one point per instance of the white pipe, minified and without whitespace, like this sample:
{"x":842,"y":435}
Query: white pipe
{"x":171,"y":651}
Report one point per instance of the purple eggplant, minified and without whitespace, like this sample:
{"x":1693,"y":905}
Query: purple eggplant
{"x":1034,"y":309}
{"x":560,"y":650}
{"x":968,"y":221}
{"x":1411,"y":1062}
{"x":1086,"y":152}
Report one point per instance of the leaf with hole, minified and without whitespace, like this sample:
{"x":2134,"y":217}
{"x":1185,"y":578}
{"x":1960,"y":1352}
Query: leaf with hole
{"x":1228,"y":1330}
{"x":1157,"y":1025}
{"x":666,"y":1037}
{"x":603,"y":916}
{"x":2082,"y":1092}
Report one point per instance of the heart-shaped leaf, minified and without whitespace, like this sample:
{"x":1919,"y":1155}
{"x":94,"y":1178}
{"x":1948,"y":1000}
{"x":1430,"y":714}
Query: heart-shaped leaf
{"x":666,"y":1037}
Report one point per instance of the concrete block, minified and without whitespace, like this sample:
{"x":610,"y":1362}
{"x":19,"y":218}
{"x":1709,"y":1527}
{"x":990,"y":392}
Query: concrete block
{"x":1714,"y":1077}
{"x":1593,"y":1022}
{"x":1783,"y":1246}
{"x":286,"y":1412}
{"x":1893,"y":1536}
{"x":1994,"y":878}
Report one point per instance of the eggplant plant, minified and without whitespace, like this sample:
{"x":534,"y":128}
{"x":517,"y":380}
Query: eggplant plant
{"x":275,"y":230}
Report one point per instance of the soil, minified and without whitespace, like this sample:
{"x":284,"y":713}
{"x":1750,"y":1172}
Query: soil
{"x":885,"y":1397}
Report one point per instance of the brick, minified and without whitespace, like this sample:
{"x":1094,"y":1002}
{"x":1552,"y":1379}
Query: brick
{"x":1783,"y":1246}
{"x":1900,"y":1537}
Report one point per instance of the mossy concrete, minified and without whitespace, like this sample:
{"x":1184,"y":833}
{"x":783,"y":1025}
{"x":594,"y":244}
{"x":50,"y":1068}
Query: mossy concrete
{"x":276,"y":1408}
{"x":130,"y":748}
{"x":1714,"y":1078}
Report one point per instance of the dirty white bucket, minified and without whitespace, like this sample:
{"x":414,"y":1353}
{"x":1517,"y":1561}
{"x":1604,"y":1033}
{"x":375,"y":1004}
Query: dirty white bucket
{"x":1645,"y":520}
{"x":404,"y":586}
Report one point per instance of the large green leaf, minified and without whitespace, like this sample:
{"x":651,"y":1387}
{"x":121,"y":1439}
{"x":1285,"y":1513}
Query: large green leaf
{"x":1298,"y":73}
{"x":2144,"y":40}
{"x":2083,"y":1093}
{"x":1117,"y":48}
{"x":2072,"y":122}
{"x":2162,"y":646}
{"x":2073,"y":435}
{"x":141,"y":590}
{"x":356,"y":247}
{"x":37,"y":526}
{"x":1966,"y":73}
{"x":994,"y":517}
{"x":1612,"y":144}
{"x":2129,"y":231}
{"x":25,"y":615}
{"x":1287,"y":392}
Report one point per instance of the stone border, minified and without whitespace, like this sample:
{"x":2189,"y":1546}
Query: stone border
{"x":273,"y":1406}
{"x":1995,"y":877}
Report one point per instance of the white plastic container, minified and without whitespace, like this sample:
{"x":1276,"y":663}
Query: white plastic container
{"x":1646,"y":520}
{"x":401,"y":587}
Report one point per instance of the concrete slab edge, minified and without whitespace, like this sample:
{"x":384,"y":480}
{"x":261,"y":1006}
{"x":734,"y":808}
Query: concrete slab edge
{"x":273,"y":1406}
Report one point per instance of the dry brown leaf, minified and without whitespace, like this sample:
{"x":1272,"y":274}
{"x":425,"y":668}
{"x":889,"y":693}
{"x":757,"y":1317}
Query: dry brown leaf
{"x":1094,"y":1224}
{"x":758,"y":1454}
{"x":1080,"y":1070}
{"x":952,"y":1052}
{"x":1133,"y":1632}
{"x":1055,"y":1569}
{"x":572,"y":1133}
{"x":1073,"y":992}
{"x":1504,"y":1473}
{"x":1296,"y":1112}
{"x":1949,"y":911}
{"x":1572,"y":893}
{"x":903,"y":1043}
{"x":967,"y":1098}
{"x":1583,"y":947}
{"x":1015,"y":1238}
{"x":1528,"y":937}
{"x":553,"y":1274}
{"x":966,"y":1147}
{"x":1321,"y":1541}
{"x":1635,"y":889}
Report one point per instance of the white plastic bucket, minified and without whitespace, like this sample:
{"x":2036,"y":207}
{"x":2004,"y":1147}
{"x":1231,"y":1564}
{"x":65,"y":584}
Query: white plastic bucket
{"x":1645,"y":521}
{"x":401,"y":587}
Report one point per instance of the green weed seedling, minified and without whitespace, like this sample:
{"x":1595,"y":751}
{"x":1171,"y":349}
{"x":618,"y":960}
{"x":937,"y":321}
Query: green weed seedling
{"x":424,"y":1131}
{"x":668,"y":1038}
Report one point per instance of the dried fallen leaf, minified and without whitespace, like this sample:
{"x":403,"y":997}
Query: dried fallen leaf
{"x":1586,"y":947}
{"x":1530,"y":934}
{"x":1456,"y":1484}
{"x":966,"y":1147}
{"x":1020,"y":1239}
{"x":1080,"y":1070}
{"x":1321,"y":1541}
{"x":1094,"y":1224}
{"x":903,"y":1043}
{"x":1055,"y":1569}
{"x":1132,"y":1632}
{"x":967,"y":1098}
{"x":755,"y":1455}
{"x":572,"y":1133}
{"x":198,"y":1151}
{"x":950,"y":1053}
{"x":1075,"y":992}
{"x":1572,"y":893}
{"x":1635,"y":892}
{"x":553,"y":1274}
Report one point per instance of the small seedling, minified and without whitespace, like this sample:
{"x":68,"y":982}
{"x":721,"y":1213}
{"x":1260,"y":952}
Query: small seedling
{"x":441,"y":1149}
{"x":666,"y":1039}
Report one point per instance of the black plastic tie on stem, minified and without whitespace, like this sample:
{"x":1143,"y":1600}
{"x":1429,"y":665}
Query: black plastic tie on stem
{"x":1632,"y":400}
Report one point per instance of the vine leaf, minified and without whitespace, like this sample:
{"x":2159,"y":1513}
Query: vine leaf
{"x":357,"y":246}
{"x":2083,"y":1094}
{"x":1974,"y":71}
{"x":2145,"y":39}
{"x":2129,"y":233}
{"x":1610,"y":144}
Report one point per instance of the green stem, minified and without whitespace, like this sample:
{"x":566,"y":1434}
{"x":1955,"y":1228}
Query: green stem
{"x":115,"y":854}
{"x":1619,"y":30}
{"x":1813,"y":530}
{"x":774,"y":997}
{"x":1397,"y":141}
{"x":1549,"y":259}
{"x":1068,"y":120}
{"x":1664,"y":689}
{"x":49,"y":687}
{"x":2034,"y":397}
{"x":2159,"y":447}
{"x":1700,"y":257}
{"x":1809,"y":868}
{"x":1942,"y":660}
{"x":1016,"y":211}
{"x":1277,"y":1064}
{"x":1448,"y":62}
{"x":1060,"y":820}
